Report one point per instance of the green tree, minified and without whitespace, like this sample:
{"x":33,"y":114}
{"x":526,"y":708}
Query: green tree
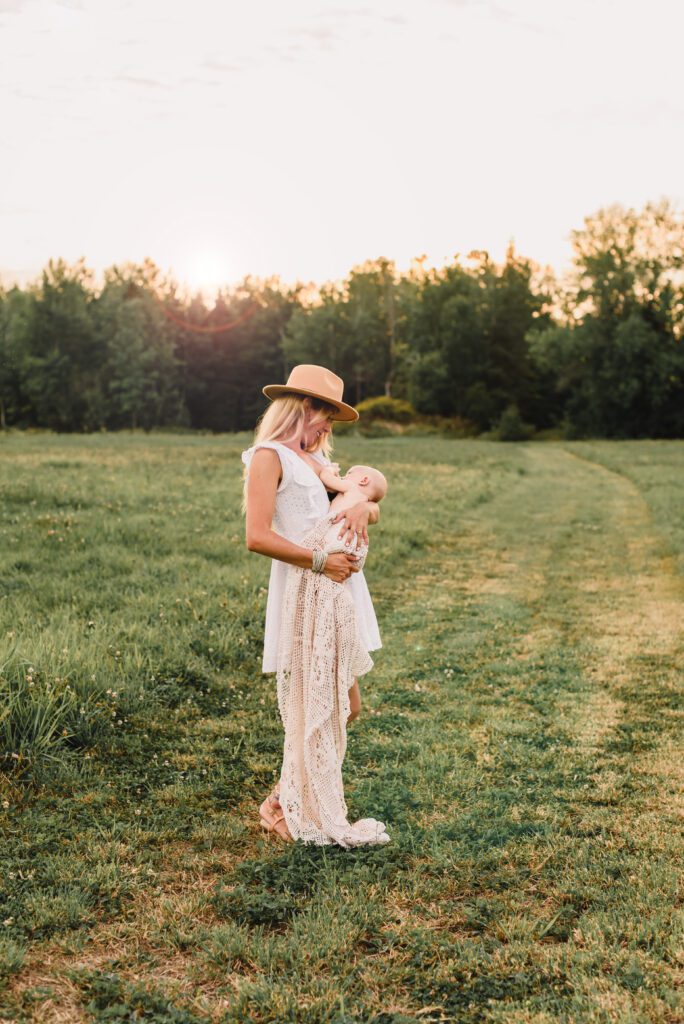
{"x":233,"y":350}
{"x":143,"y":384}
{"x":63,"y":379}
{"x":446,"y":344}
{"x":15,"y":310}
{"x":353,"y":330}
{"x":466,"y":337}
{"x":619,"y":357}
{"x":320,"y":332}
{"x":517,"y":304}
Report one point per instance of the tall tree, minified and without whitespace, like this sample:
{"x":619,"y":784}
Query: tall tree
{"x":232,"y":350}
{"x":142,"y":379}
{"x":15,"y":311}
{"x":353,"y":329}
{"x":64,"y":362}
{"x":619,"y":357}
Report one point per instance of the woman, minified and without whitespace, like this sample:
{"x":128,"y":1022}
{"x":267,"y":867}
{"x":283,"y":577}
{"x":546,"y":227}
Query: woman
{"x":284,"y":498}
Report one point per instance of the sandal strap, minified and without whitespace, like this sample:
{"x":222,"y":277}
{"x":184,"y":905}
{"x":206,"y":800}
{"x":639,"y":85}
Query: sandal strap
{"x":273,"y":817}
{"x":276,"y":821}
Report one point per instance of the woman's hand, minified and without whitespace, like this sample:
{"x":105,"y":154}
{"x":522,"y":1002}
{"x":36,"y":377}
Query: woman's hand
{"x":356,"y":521}
{"x":340,"y":566}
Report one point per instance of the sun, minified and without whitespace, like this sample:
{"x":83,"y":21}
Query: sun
{"x":208,"y":271}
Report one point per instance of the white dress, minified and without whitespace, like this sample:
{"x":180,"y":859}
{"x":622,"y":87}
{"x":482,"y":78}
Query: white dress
{"x":301,"y":502}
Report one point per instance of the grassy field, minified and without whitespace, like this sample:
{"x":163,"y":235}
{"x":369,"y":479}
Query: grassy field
{"x":521,"y":737}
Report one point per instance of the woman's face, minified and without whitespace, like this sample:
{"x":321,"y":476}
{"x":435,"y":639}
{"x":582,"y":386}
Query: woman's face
{"x":317,"y":425}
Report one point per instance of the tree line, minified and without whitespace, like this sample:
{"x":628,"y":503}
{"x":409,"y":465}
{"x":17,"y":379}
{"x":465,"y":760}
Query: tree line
{"x":598,"y":352}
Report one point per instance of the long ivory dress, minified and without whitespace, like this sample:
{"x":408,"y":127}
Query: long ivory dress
{"x":318,"y":635}
{"x":319,"y":654}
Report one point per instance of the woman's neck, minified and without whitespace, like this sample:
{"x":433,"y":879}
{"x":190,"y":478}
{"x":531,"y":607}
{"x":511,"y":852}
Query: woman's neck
{"x":297,"y":445}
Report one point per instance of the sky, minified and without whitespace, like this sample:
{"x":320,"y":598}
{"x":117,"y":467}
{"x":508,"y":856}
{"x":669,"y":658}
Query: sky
{"x":298,"y":139}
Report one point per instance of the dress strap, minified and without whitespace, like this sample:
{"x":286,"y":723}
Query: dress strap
{"x":279,"y":449}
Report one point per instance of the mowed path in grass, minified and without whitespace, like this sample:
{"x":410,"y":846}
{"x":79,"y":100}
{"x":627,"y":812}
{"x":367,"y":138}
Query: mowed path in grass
{"x":521,"y":738}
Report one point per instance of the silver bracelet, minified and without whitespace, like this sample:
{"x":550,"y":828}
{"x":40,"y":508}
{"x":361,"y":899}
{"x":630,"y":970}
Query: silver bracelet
{"x":319,"y":558}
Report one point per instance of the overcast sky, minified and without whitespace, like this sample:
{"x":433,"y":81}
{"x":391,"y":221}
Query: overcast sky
{"x":299,"y":138}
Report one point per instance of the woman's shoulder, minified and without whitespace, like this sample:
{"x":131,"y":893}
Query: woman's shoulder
{"x":281,"y":449}
{"x":287,"y":457}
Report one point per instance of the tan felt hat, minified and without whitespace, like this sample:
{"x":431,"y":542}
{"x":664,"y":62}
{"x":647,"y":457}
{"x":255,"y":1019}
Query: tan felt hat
{"x":316,"y":382}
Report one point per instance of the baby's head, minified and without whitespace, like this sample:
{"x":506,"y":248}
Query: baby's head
{"x":369,"y":480}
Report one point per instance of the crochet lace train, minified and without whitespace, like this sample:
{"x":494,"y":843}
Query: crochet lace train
{"x":319,"y":653}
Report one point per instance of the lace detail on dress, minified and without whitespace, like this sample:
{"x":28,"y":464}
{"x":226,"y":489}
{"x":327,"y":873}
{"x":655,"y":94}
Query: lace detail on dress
{"x":319,"y":653}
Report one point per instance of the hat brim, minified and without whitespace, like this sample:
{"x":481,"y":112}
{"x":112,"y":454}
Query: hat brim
{"x":345,"y":412}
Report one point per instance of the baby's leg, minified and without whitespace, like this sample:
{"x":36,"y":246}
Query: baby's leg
{"x":354,"y":701}
{"x":331,"y":544}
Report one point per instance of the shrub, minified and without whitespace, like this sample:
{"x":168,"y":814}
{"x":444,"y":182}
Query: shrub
{"x":447,"y":426}
{"x":392,"y":417}
{"x":381,"y":428}
{"x":512,"y":427}
{"x":391,"y":410}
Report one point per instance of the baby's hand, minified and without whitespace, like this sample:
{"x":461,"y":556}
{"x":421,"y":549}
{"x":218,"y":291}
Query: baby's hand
{"x":330,"y":477}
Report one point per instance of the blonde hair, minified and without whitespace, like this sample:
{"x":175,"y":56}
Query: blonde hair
{"x":283,"y":421}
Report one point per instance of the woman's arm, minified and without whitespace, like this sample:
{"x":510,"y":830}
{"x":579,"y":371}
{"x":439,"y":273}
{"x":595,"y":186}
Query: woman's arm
{"x":262,"y":484}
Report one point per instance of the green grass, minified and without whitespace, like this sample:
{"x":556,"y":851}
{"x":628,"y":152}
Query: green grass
{"x":521,"y":738}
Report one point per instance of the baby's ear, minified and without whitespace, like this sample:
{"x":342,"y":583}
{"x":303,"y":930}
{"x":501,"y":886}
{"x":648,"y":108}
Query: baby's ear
{"x":364,"y":481}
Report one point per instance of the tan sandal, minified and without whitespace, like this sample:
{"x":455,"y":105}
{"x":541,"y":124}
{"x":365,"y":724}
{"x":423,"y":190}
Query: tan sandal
{"x":271,"y":818}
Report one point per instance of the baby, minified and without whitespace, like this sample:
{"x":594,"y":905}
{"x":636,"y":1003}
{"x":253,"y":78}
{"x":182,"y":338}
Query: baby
{"x":360,"y":483}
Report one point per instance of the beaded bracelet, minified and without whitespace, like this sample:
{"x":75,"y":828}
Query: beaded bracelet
{"x":319,"y":558}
